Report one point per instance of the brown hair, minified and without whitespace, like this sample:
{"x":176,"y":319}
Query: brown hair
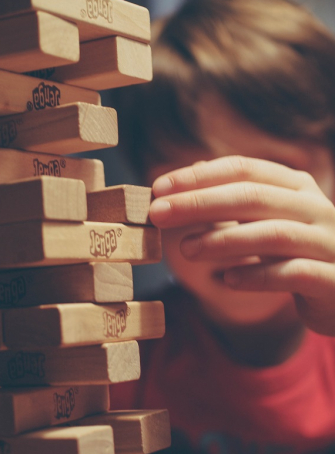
{"x":270,"y":59}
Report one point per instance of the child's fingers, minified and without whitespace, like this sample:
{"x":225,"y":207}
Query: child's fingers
{"x":231,"y":169}
{"x":311,"y":278}
{"x":272,"y":238}
{"x":312,"y":283}
{"x":242,"y":202}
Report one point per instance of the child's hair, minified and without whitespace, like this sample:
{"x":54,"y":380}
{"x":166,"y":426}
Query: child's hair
{"x":270,"y":59}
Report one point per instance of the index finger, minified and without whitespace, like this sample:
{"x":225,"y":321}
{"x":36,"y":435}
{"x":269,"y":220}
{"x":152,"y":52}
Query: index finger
{"x":231,"y":169}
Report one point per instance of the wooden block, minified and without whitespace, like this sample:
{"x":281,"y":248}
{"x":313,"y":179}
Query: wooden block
{"x":38,"y":243}
{"x":93,"y":282}
{"x":37,"y":40}
{"x":108,"y":63}
{"x":65,"y":129}
{"x":124,"y":203}
{"x":69,"y":325}
{"x":135,"y":431}
{"x":43,"y":198}
{"x":15,"y":165}
{"x":24,"y":409}
{"x":94,"y":18}
{"x":20,"y":93}
{"x":64,"y":440}
{"x":93,"y":365}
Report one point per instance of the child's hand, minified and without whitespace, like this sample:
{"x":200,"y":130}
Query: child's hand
{"x":283,"y":218}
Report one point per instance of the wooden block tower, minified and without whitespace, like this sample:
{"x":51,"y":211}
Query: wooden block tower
{"x":69,"y":326}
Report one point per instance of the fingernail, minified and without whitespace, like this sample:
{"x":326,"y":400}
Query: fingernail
{"x":162,"y":186}
{"x":191,"y":247}
{"x":232,"y":278}
{"x":160,"y":210}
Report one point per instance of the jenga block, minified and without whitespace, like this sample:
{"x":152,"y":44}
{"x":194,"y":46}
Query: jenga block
{"x":24,"y":409}
{"x":124,"y":203}
{"x":37,"y":40}
{"x":43,"y":198}
{"x":93,"y":282}
{"x":69,"y":325}
{"x":65,"y":129}
{"x":19,"y":93}
{"x":135,"y":431}
{"x":94,"y":18}
{"x":108,"y":63}
{"x":17,"y":165}
{"x":93,"y":365}
{"x":38,"y":243}
{"x":61,"y":440}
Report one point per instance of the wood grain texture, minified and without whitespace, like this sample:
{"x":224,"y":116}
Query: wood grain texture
{"x":108,"y":63}
{"x":37,"y":40}
{"x":16,"y":164}
{"x":91,"y":282}
{"x":93,"y":365}
{"x":135,"y":431}
{"x":70,"y":325}
{"x":72,"y":128}
{"x":20,"y":93}
{"x":38,"y":243}
{"x":43,"y":198}
{"x":123,"y":203}
{"x":24,"y":409}
{"x":94,"y":18}
{"x":64,"y":440}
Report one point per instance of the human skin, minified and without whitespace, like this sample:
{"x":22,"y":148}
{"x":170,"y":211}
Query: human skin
{"x":249,"y":224}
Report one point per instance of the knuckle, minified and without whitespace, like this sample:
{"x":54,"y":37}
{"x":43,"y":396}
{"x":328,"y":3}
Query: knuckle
{"x":279,"y":234}
{"x":253,"y":195}
{"x":196,"y":203}
{"x":242,"y":167}
{"x":194,"y":169}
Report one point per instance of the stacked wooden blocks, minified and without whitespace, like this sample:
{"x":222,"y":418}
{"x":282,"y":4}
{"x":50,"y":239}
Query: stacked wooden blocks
{"x":69,"y":325}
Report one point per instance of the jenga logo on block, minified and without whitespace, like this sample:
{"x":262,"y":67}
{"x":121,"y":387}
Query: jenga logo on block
{"x":64,"y":404}
{"x":26,"y":363}
{"x":103,"y":245}
{"x":114,"y":324}
{"x":11,"y":293}
{"x":4,"y":447}
{"x":100,"y":8}
{"x":44,"y":96}
{"x":52,"y":168}
{"x":8,"y":133}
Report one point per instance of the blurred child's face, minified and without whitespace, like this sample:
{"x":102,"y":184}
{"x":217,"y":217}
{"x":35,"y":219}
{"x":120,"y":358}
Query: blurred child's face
{"x":228,"y":133}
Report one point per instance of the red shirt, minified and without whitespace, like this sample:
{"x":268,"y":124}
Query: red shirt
{"x":219,"y":407}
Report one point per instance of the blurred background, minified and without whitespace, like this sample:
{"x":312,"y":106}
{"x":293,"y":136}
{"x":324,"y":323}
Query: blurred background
{"x":149,"y":277}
